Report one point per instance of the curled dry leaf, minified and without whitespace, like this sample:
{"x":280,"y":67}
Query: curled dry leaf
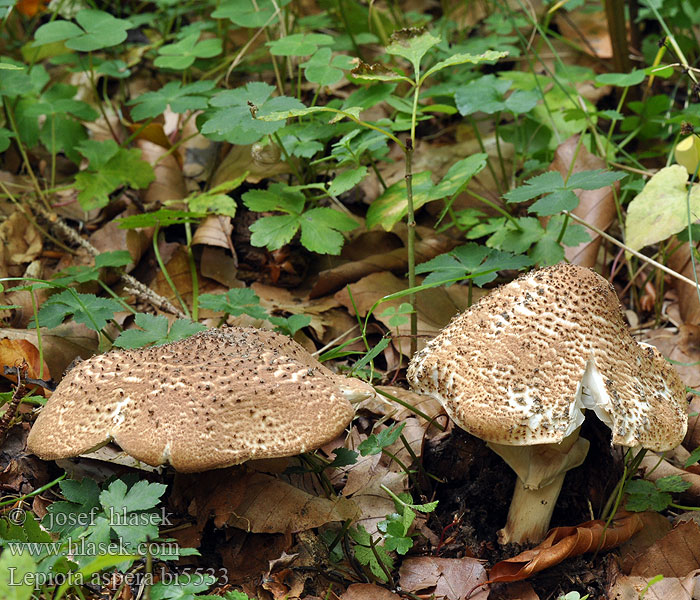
{"x":14,"y":353}
{"x":215,"y":230}
{"x":564,"y":542}
{"x":596,"y":207}
{"x":21,"y":242}
{"x":449,"y":578}
{"x":682,"y":347}
{"x":241,"y":159}
{"x":679,"y":260}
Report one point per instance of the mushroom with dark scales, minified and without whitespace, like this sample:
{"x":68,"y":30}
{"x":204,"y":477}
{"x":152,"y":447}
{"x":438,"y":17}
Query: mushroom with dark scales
{"x":519,"y":368}
{"x":216,"y":399}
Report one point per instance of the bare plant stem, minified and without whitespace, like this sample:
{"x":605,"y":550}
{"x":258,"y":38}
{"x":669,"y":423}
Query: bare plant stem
{"x":411,"y":244}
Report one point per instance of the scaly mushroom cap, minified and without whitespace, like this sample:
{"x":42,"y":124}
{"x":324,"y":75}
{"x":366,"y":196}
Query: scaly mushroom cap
{"x":216,"y":399}
{"x":519,"y":366}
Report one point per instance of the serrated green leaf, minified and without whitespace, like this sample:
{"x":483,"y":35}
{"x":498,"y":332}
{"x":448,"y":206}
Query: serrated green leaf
{"x":462,"y":58}
{"x":347,"y":180}
{"x":634,"y":77}
{"x":274,"y":232}
{"x":511,"y":239}
{"x":236,"y":301}
{"x":154,"y":330}
{"x":554,"y":203}
{"x":320,"y":229}
{"x":291,"y":324}
{"x":377,"y":441}
{"x":163,"y":217}
{"x":412,"y":44}
{"x":672,"y":483}
{"x":86,"y":309}
{"x":141,"y":496}
{"x":277,"y":197}
{"x":545,"y":183}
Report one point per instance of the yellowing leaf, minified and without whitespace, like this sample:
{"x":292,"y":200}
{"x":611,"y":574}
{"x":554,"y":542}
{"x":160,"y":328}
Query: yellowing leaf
{"x":660,"y":209}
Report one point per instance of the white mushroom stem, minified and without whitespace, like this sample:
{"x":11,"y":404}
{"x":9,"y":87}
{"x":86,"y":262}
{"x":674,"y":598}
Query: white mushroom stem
{"x":541,"y":470}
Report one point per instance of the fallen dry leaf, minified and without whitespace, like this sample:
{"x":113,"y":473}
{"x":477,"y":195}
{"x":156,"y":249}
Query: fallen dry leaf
{"x":20,"y":241}
{"x":214,"y":230}
{"x":449,"y":578}
{"x":675,"y":555}
{"x":564,"y":542}
{"x":692,"y":437}
{"x":669,"y":588}
{"x":169,"y":184}
{"x":241,"y":159}
{"x":588,"y":29}
{"x":596,"y":207}
{"x":682,"y":347}
{"x":270,"y":505}
{"x":368,"y":591}
{"x":678,"y":259}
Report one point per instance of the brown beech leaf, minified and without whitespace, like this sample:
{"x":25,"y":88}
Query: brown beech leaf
{"x":668,"y":588}
{"x":674,"y":555}
{"x":597,"y":207}
{"x":368,"y":591}
{"x":564,"y":542}
{"x":692,"y":438}
{"x":270,"y":505}
{"x":679,"y":260}
{"x":215,"y":230}
{"x":449,"y":578}
{"x":683,"y":347}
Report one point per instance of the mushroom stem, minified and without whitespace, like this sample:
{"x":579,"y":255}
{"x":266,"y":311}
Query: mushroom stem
{"x":541,"y":470}
{"x":530,"y":512}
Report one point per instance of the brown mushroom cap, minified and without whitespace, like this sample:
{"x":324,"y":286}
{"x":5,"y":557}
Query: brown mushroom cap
{"x":216,"y":399}
{"x":519,"y":366}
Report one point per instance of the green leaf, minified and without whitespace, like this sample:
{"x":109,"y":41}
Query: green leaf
{"x":249,"y":13}
{"x":290,"y":325}
{"x":369,"y":96}
{"x":592,"y":180}
{"x":321,"y":227}
{"x":324,"y":68}
{"x":143,"y":495}
{"x":183,"y":53}
{"x":643,"y":495}
{"x":392,"y":204}
{"x":277,"y":197}
{"x":376,"y":442}
{"x":184,"y":587}
{"x":97,"y":30}
{"x":180,"y":98}
{"x":5,"y":136}
{"x":237,"y":301}
{"x":347,"y":180}
{"x":378,"y":72}
{"x":535,"y":186}
{"x":87,"y":309}
{"x":511,"y":239}
{"x":343,"y":457}
{"x":163,"y":217}
{"x":412,"y":44}
{"x":299,"y":44}
{"x":17,"y":572}
{"x":154,"y":330}
{"x":230,"y":117}
{"x":114,"y":258}
{"x":110,"y":167}
{"x":458,"y":175}
{"x":693,"y":458}
{"x":461,"y":58}
{"x":274,"y":232}
{"x":660,"y":209}
{"x":471,"y":258}
{"x":635,"y":77}
{"x":672,"y":483}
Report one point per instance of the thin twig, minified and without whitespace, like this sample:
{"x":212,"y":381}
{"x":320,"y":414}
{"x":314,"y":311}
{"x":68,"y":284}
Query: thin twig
{"x":639,"y":255}
{"x":134,"y":286}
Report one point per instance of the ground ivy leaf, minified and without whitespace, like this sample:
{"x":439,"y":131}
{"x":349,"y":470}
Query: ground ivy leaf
{"x":274,"y":232}
{"x":98,"y":29}
{"x":320,"y":229}
{"x":392,"y":204}
{"x":324,"y":68}
{"x":249,"y":13}
{"x":660,"y":210}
